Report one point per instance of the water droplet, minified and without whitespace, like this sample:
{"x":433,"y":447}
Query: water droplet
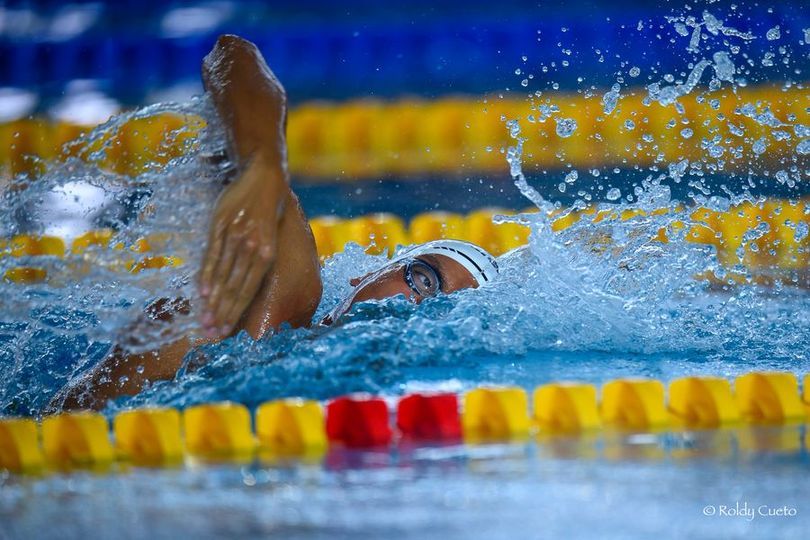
{"x":634,"y":71}
{"x":614,"y":194}
{"x":713,"y":24}
{"x":803,"y":147}
{"x":801,"y":231}
{"x":694,"y":41}
{"x":687,"y":133}
{"x":736,"y":130}
{"x":610,"y":99}
{"x":759,"y":146}
{"x":774,"y":33}
{"x":566,"y":127}
{"x":571,"y":177}
{"x":629,"y":125}
{"x":723,"y":66}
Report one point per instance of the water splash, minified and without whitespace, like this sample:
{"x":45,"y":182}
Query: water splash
{"x":566,"y":127}
{"x":91,"y":297}
{"x":611,"y":99}
{"x":622,"y":278}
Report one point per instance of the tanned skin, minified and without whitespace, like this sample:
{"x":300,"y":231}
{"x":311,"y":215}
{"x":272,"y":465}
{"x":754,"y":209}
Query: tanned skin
{"x":244,"y":284}
{"x":261,"y":266}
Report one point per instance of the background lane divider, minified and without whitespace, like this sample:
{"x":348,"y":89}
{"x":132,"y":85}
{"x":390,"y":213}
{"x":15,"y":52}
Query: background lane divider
{"x":300,"y":429}
{"x":368,"y":138}
{"x":779,"y":249}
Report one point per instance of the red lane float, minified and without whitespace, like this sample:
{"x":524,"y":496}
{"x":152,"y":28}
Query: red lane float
{"x":429,"y":417}
{"x":358,"y":422}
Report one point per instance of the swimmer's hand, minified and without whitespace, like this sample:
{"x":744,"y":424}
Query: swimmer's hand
{"x":252,"y":105}
{"x":241,"y":248}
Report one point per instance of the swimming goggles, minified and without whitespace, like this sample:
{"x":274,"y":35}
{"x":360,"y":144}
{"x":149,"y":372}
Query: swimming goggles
{"x":422,"y":278}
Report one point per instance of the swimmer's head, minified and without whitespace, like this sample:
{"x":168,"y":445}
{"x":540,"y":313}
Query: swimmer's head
{"x":441,"y":266}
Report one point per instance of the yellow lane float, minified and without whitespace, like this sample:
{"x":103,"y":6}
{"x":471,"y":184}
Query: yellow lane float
{"x":291,"y":427}
{"x":148,"y":436}
{"x":19,"y":445}
{"x":297,"y":428}
{"x":634,"y":404}
{"x":218,"y":430}
{"x":495,"y":414}
{"x":566,"y":408}
{"x":769,"y":397}
{"x":369,"y":138}
{"x":78,"y":439}
{"x":779,"y":254}
{"x":703,"y":402}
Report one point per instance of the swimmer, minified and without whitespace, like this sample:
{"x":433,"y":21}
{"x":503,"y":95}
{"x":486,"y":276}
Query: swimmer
{"x":261,"y":267}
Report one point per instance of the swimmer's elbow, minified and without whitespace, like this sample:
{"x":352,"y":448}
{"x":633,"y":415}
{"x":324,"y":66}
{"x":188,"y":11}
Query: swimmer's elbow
{"x":78,"y":395}
{"x":228,"y":52}
{"x":230,"y":42}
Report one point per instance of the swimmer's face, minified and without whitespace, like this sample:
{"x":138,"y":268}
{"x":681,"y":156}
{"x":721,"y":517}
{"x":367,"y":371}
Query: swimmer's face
{"x":416,"y":279}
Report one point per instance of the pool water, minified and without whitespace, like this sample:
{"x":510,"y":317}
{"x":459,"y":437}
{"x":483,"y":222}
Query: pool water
{"x":598,"y":300}
{"x":613,"y":485}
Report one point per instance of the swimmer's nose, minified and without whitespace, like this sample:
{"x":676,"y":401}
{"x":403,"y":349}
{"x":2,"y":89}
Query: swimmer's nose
{"x":355,"y":281}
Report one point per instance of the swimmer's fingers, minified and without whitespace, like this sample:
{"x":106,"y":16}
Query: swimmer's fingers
{"x":245,"y":260}
{"x":245,"y":294}
{"x":221,"y":274}
{"x":251,"y":258}
{"x":212,"y":256}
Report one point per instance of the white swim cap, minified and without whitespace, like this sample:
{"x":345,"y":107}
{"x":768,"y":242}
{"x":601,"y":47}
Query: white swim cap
{"x":476,"y":260}
{"x":481,"y":265}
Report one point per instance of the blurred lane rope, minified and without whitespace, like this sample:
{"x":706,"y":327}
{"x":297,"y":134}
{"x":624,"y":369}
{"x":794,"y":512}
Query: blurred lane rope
{"x":458,"y":136}
{"x":780,"y":253}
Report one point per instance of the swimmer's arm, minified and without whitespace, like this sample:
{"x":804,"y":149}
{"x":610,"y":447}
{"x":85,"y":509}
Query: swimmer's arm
{"x":244,"y":230}
{"x":119,"y":375}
